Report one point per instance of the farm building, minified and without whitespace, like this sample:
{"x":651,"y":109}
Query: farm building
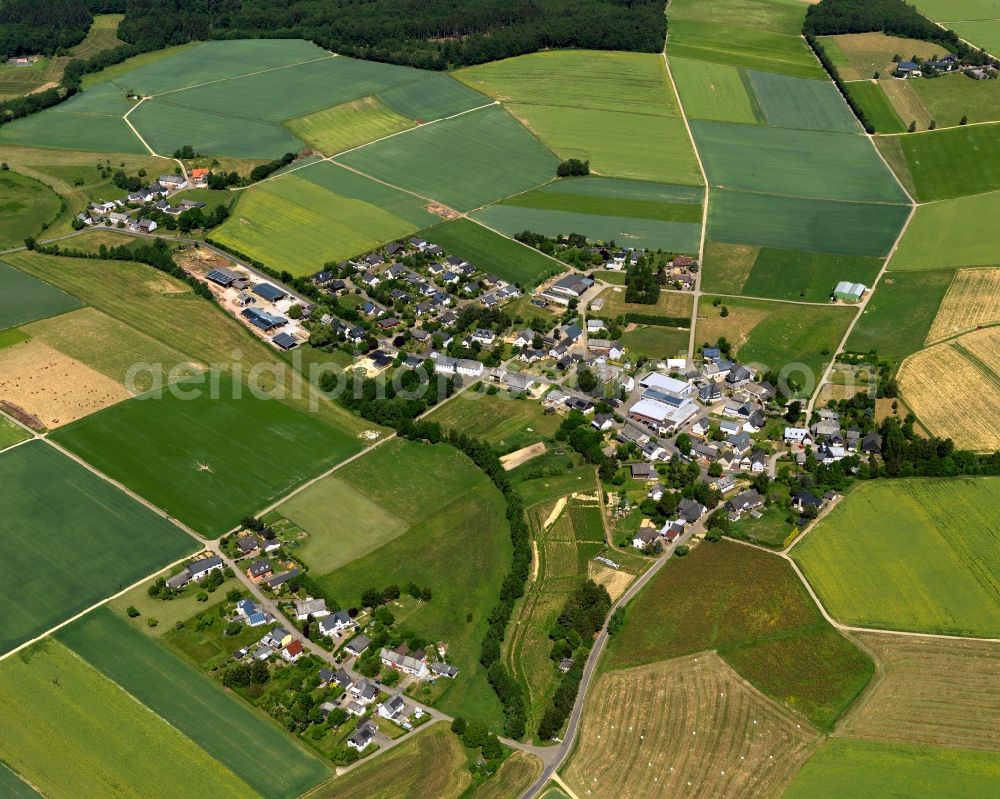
{"x":269,"y":292}
{"x":262,"y":320}
{"x":849,"y":292}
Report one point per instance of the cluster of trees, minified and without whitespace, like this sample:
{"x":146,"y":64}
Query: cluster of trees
{"x":576,"y":430}
{"x":641,"y":285}
{"x":433,"y":34}
{"x":46,"y":27}
{"x":573,"y":167}
{"x":475,"y":735}
{"x":242,"y":675}
{"x":573,"y":636}
{"x":512,"y":587}
{"x":264,"y":170}
{"x":653,"y":319}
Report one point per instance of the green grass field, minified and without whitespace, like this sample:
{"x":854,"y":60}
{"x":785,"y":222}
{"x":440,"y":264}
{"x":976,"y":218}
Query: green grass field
{"x":347,"y":125}
{"x":950,"y":234}
{"x":463,"y":162}
{"x":804,"y":276}
{"x":248,"y":744}
{"x":25,"y":206}
{"x":24,"y":298}
{"x":652,"y":341}
{"x":620,"y":198}
{"x":11,"y":433}
{"x":872,"y":100}
{"x":917,"y":562}
{"x":73,"y":540}
{"x":954,"y":162}
{"x":804,"y":163}
{"x":947,"y":101}
{"x":858,"y":56}
{"x":777,"y":16}
{"x":431,"y":96}
{"x":491,"y":252}
{"x":844,"y":768}
{"x":68,"y":131}
{"x":793,"y":223}
{"x":13,"y":787}
{"x":982,"y":33}
{"x":183,"y":453}
{"x":750,"y":607}
{"x":789,"y":102}
{"x":504,"y":421}
{"x":72,"y":733}
{"x":775,"y":334}
{"x":101,"y":36}
{"x":642,"y":233}
{"x":719,"y":92}
{"x":900,"y":313}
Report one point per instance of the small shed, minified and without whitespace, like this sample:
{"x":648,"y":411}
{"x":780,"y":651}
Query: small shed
{"x":849,"y":292}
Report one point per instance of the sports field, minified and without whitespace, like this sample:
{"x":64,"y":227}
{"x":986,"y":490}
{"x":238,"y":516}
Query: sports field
{"x":245,"y":742}
{"x":949,"y":234}
{"x":463,"y":162}
{"x":74,"y":539}
{"x":649,"y":731}
{"x":921,"y":567}
{"x":24,"y":298}
{"x":972,"y":301}
{"x":181,"y":454}
{"x":72,"y":733}
{"x":900,"y":313}
{"x":505,"y":422}
{"x":347,"y":125}
{"x":934,"y":691}
{"x":795,"y":223}
{"x":804,"y":163}
{"x":25,"y":205}
{"x":873,"y":101}
{"x":844,"y":768}
{"x":954,"y":162}
{"x":493,"y":253}
{"x":749,"y":606}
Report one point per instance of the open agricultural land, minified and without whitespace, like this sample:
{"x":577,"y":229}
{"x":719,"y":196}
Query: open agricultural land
{"x":74,"y":540}
{"x":507,"y":422}
{"x":748,"y":606}
{"x":972,"y":301}
{"x":25,"y":299}
{"x":26,"y":205}
{"x":974,"y":20}
{"x":921,"y":568}
{"x":689,"y":725}
{"x":947,"y":234}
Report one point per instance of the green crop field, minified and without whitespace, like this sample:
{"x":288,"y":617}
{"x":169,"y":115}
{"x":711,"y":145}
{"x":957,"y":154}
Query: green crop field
{"x":775,"y":334}
{"x":872,"y":100}
{"x":24,"y":298}
{"x":248,"y":744}
{"x":954,"y":162}
{"x":793,"y":223}
{"x":504,"y":421}
{"x":653,"y":341}
{"x":621,"y":198}
{"x":631,"y":232}
{"x":182,"y":453}
{"x":778,"y":16}
{"x":900,"y":313}
{"x":804,"y":163}
{"x":11,"y":433}
{"x":463,"y":162}
{"x":921,"y":565}
{"x":984,"y":33}
{"x":750,"y":607}
{"x":718,"y":92}
{"x":431,"y":96}
{"x":844,"y":768}
{"x":73,"y":733}
{"x":583,"y":104}
{"x":493,"y":253}
{"x":947,"y":101}
{"x":101,"y":36}
{"x":805,"y":276}
{"x":73,"y":540}
{"x":13,"y":787}
{"x":347,"y":125}
{"x":798,"y":103}
{"x":66,"y":131}
{"x":295,"y":224}
{"x":950,"y":234}
{"x":25,"y":205}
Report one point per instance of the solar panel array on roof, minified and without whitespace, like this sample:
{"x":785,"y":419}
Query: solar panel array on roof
{"x":268,"y":292}
{"x":263,"y":320}
{"x":285,"y":341}
{"x":223,"y":277}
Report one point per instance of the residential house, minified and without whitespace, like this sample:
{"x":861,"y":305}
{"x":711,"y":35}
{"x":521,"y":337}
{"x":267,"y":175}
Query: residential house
{"x":276,"y":582}
{"x":710,"y":392}
{"x":311,"y":607}
{"x":336,"y":623}
{"x":278,"y":638}
{"x":642,"y":471}
{"x":444,"y":670}
{"x":644,"y":537}
{"x":758,"y":461}
{"x":762,"y":392}
{"x":363,"y":736}
{"x":690,"y":510}
{"x":741,"y":443}
{"x":393,"y":708}
{"x":797,"y":435}
{"x":612,"y":349}
{"x":805,"y":500}
{"x":603,"y":421}
{"x":293,"y":651}
{"x":260,"y":570}
{"x":364,"y":692}
{"x":357,"y":645}
{"x":745,"y":501}
{"x":401,"y":661}
{"x":196,"y":571}
{"x":871,"y":444}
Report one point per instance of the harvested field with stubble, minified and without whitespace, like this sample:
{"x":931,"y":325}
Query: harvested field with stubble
{"x":953,"y":390}
{"x":973,"y":299}
{"x":687,"y":727}
{"x":937,"y":692}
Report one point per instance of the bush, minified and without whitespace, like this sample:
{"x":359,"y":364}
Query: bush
{"x":573,"y":167}
{"x":682,"y":550}
{"x":132,"y":611}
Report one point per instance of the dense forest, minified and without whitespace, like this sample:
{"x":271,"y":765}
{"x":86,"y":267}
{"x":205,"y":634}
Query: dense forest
{"x":28,"y":27}
{"x":432,"y":34}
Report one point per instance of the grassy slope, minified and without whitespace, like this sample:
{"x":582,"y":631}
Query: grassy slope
{"x":954,"y":162}
{"x":25,"y":206}
{"x":505,"y":422}
{"x":24,"y":299}
{"x":872,"y":100}
{"x":951,"y":233}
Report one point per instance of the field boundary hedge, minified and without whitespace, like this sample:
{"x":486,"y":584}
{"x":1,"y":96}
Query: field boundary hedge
{"x":661,"y":321}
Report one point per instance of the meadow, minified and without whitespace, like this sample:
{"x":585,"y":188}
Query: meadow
{"x":70,"y":131}
{"x":493,"y":253}
{"x":74,"y":540}
{"x":72,"y":732}
{"x":804,"y":163}
{"x":614,"y":197}
{"x":947,"y":101}
{"x":858,"y":56}
{"x":430,"y":96}
{"x":690,"y":711}
{"x":922,"y":568}
{"x":26,"y":205}
{"x":934,"y":692}
{"x":248,"y":744}
{"x":464,"y":162}
{"x":899,"y":315}
{"x":179,"y":451}
{"x":954,"y":162}
{"x":795,"y":223}
{"x":11,"y":433}
{"x":347,"y":125}
{"x":797,"y":103}
{"x":670,"y":303}
{"x":750,"y":607}
{"x":652,"y":341}
{"x":876,"y":105}
{"x":501,"y":420}
{"x":103,"y":35}
{"x":950,"y":234}
{"x":972,"y":301}
{"x":718,"y":92}
{"x":730,"y":43}
{"x":848,"y":769}
{"x":24,"y":298}
{"x":13,"y":787}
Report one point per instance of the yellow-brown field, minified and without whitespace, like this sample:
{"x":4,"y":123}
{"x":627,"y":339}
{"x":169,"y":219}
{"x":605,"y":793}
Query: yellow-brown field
{"x":935,"y":691}
{"x":514,"y":776}
{"x":973,"y":299}
{"x":689,"y":727}
{"x":616,"y":581}
{"x":953,"y":390}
